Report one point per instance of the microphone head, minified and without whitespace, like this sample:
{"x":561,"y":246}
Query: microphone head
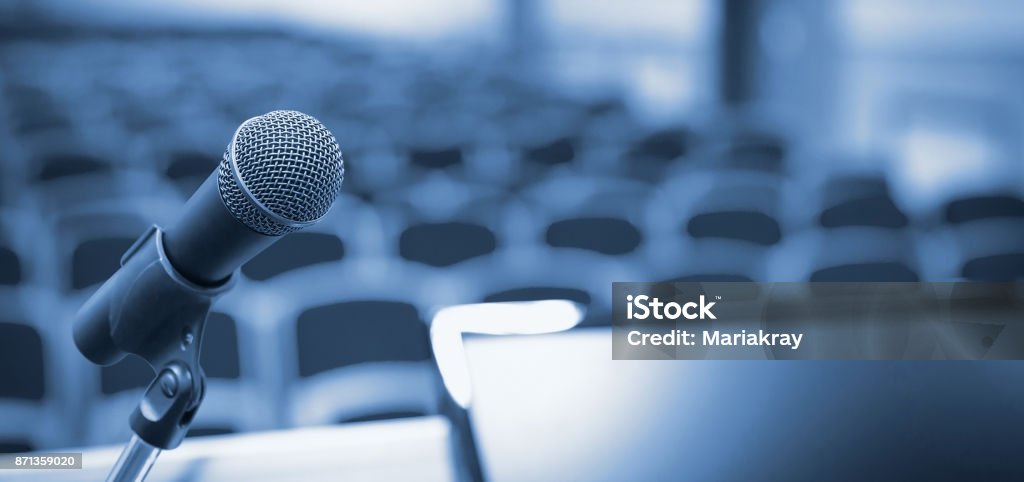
{"x":281,"y":172}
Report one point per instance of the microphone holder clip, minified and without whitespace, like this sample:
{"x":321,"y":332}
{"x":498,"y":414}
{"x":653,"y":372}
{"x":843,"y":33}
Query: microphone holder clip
{"x":154,"y":312}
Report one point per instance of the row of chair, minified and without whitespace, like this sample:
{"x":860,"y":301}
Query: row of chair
{"x":291,"y":317}
{"x":695,"y":220}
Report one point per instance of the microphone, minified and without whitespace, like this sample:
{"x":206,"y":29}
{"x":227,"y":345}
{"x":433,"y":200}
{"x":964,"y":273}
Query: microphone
{"x":281,"y":172}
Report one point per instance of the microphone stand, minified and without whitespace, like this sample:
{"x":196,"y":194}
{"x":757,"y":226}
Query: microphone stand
{"x":150,"y":310}
{"x":160,"y":421}
{"x":135,"y":461}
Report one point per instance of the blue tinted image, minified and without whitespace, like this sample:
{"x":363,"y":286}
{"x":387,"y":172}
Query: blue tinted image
{"x":503,"y":151}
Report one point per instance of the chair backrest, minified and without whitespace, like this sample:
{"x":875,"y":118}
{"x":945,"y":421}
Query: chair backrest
{"x":751,"y":226}
{"x":23,"y":384}
{"x":664,"y":144}
{"x":860,"y":200}
{"x":353,"y":332}
{"x":988,"y":230}
{"x":10,"y":267}
{"x":878,"y":211}
{"x":442,"y":222}
{"x":92,"y":237}
{"x":741,"y":208}
{"x":21,"y":352}
{"x":188,"y":169}
{"x":362,"y":360}
{"x":446,"y":243}
{"x":890,"y":271}
{"x":595,"y":214}
{"x":220,"y":354}
{"x":561,"y":150}
{"x":758,"y":151}
{"x":15,"y":445}
{"x":63,"y":166}
{"x":601,"y":234}
{"x":295,"y":251}
{"x":436,"y":158}
{"x":999,"y":267}
{"x":860,"y":253}
{"x":974,"y":208}
{"x":33,"y":110}
{"x":94,"y":260}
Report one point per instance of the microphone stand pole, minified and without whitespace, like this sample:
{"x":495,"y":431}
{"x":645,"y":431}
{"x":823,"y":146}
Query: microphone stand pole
{"x":135,"y":461}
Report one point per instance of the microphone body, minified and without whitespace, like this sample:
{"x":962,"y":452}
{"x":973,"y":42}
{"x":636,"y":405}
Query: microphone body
{"x":207,"y":243}
{"x":281,"y":172}
{"x":174,"y":273}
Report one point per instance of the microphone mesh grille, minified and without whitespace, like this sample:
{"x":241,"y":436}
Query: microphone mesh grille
{"x":291,"y":165}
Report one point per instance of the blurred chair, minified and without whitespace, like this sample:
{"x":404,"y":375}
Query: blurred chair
{"x":756,"y":151}
{"x":32,"y":418}
{"x":373,"y":166}
{"x":295,"y":251}
{"x":230,"y":389}
{"x":91,"y":245}
{"x":989,"y":232}
{"x":446,"y":243}
{"x":436,"y":157}
{"x":568,"y":237}
{"x":860,"y":201}
{"x":35,"y":111}
{"x":865,"y":255}
{"x":188,"y":169}
{"x":593,"y":213}
{"x":658,"y":152}
{"x":427,"y":138}
{"x":64,"y":166}
{"x":22,"y":388}
{"x":609,"y":137}
{"x":117,"y":390}
{"x":10,"y":267}
{"x":68,"y":181}
{"x":861,"y":234}
{"x":32,"y":342}
{"x":349,"y":227}
{"x":715,"y":225}
{"x":974,"y":208}
{"x":546,"y":135}
{"x":362,"y":360}
{"x":443,"y":221}
{"x":341,"y":341}
{"x":26,"y":246}
{"x":602,"y":234}
{"x":92,"y":237}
